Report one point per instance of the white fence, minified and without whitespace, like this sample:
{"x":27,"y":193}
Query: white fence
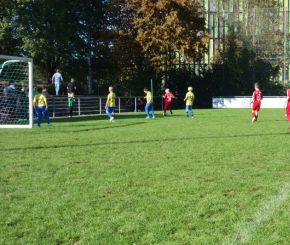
{"x":245,"y":102}
{"x":92,"y":105}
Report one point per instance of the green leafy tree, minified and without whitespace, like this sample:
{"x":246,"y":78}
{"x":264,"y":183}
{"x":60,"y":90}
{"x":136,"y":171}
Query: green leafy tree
{"x":10,"y":41}
{"x":56,"y":34}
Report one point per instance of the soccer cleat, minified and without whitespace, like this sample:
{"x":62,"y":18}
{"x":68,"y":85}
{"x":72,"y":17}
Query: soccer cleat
{"x":147,"y":117}
{"x":153,"y":117}
{"x":111,"y":119}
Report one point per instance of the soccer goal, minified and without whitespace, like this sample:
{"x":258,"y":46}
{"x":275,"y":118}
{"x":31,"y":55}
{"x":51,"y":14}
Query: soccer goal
{"x":16,"y":92}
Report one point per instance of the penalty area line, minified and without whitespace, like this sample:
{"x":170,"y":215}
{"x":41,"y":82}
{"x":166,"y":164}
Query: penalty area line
{"x":246,"y":230}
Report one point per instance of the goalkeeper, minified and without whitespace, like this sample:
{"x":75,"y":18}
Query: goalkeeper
{"x":40,"y":106}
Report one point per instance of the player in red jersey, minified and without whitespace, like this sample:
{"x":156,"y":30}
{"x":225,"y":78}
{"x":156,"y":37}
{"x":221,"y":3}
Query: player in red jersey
{"x":256,"y":100}
{"x":288,"y":105}
{"x":168,"y":101}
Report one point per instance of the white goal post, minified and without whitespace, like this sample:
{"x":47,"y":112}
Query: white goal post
{"x":16,"y":92}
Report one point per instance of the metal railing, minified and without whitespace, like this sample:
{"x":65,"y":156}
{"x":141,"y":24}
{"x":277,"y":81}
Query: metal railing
{"x":93,"y":105}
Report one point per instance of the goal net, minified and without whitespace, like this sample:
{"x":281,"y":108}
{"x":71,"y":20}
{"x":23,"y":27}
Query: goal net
{"x":16,"y":92}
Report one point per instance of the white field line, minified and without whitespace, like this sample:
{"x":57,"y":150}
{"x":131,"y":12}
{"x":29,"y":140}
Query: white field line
{"x":246,"y":230}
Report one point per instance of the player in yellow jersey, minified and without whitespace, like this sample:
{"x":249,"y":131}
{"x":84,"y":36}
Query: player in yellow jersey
{"x":189,"y":99}
{"x":149,"y":104}
{"x":40,"y":106}
{"x":111,"y":104}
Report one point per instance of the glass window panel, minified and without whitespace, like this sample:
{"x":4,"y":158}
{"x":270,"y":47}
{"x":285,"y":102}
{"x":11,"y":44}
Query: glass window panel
{"x":213,"y":6}
{"x":230,"y":6}
{"x":211,"y":49}
{"x":211,"y":26}
{"x":216,"y":29}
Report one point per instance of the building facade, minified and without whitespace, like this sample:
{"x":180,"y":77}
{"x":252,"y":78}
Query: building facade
{"x":264,"y":27}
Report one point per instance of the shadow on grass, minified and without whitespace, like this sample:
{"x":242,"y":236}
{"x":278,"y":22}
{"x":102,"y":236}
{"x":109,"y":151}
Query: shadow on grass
{"x":87,"y":127}
{"x":104,"y":117}
{"x":142,"y":141}
{"x":110,"y":126}
{"x":74,"y":119}
{"x":96,"y":118}
{"x":273,"y":120}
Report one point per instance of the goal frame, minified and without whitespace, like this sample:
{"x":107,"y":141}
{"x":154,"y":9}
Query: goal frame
{"x":30,"y":86}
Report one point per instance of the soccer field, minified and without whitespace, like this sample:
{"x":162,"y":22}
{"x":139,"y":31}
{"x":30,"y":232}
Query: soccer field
{"x":217,"y":179}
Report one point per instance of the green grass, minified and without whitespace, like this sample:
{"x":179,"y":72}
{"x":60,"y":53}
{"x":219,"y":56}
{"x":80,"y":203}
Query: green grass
{"x":165,"y":181}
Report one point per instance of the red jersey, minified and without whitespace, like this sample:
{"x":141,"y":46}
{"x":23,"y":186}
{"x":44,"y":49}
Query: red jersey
{"x":257,"y":96}
{"x":168,"y":97}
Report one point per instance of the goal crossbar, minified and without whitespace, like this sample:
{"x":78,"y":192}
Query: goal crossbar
{"x":8,"y":57}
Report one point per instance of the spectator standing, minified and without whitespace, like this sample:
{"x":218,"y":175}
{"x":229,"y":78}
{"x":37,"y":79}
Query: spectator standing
{"x":71,"y":90}
{"x":44,"y":92}
{"x":35,"y":92}
{"x":10,"y":89}
{"x":57,"y":81}
{"x":140,"y":105}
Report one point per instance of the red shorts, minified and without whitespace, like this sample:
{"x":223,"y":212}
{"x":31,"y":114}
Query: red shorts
{"x":256,"y":106}
{"x":167,"y":106}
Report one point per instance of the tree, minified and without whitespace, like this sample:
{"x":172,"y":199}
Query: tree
{"x":56,"y":34}
{"x":165,"y":28}
{"x":10,"y":41}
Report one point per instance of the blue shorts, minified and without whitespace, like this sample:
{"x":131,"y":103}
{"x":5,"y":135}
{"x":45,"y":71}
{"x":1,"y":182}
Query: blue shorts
{"x":149,"y":107}
{"x":188,"y":108}
{"x":111,"y":110}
